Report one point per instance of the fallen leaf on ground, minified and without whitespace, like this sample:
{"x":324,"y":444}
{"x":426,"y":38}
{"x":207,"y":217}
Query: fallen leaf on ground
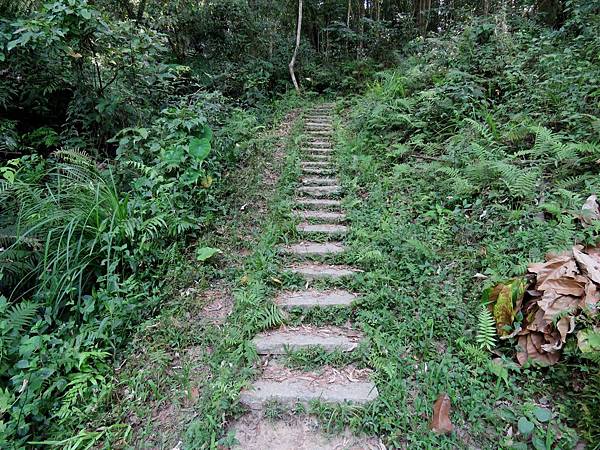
{"x":440,"y":423}
{"x":531,"y":348}
{"x":589,"y":264}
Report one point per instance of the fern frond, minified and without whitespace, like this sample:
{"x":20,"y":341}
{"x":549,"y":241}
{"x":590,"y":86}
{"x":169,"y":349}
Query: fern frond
{"x":486,"y":329}
{"x":482,"y":130}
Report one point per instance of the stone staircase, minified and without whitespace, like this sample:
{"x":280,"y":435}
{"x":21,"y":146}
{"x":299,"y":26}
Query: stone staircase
{"x":321,"y":230}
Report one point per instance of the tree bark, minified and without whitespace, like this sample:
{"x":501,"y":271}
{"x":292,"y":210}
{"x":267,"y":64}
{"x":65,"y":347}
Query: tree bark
{"x":348,"y":14}
{"x":293,"y":61}
{"x":141,"y":9}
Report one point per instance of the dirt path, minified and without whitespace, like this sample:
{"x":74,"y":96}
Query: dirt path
{"x":320,"y":231}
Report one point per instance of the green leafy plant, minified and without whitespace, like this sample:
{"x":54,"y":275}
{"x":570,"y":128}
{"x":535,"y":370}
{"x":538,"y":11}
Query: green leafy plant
{"x":486,"y":329}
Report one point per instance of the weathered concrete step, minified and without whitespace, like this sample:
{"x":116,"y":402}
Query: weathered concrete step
{"x":325,"y":216}
{"x":314,"y":248}
{"x":320,"y":191}
{"x":280,"y":342}
{"x":319,"y":181}
{"x":319,"y":133}
{"x":310,"y":157}
{"x":315,"y":180}
{"x":317,"y":150}
{"x":319,"y":126}
{"x":293,"y":432}
{"x":292,"y":390}
{"x":318,"y":170}
{"x":312,"y":298}
{"x":317,"y":120}
{"x":314,"y":271}
{"x":318,"y":202}
{"x":315,"y":164}
{"x":323,"y":228}
{"x":319,"y":144}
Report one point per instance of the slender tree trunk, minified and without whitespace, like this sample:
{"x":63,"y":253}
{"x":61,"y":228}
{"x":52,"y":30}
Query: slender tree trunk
{"x":361,"y":14}
{"x":293,"y":61}
{"x":348,"y":14}
{"x":140,"y":13}
{"x":427,"y":17}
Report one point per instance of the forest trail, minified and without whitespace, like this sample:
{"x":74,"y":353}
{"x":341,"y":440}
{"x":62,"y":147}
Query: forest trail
{"x":321,"y":231}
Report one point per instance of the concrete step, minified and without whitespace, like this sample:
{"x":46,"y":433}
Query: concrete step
{"x":323,"y":216}
{"x":315,"y":271}
{"x":318,"y":126}
{"x":314,"y":248}
{"x":312,"y":298}
{"x":318,"y":143}
{"x":310,"y":157}
{"x":319,"y":181}
{"x":316,"y":165}
{"x":319,"y":151}
{"x":322,"y":228}
{"x":320,"y":191}
{"x":319,"y":133}
{"x":318,"y":202}
{"x":284,"y":340}
{"x":318,"y":170}
{"x":293,"y":432}
{"x":289,"y":387}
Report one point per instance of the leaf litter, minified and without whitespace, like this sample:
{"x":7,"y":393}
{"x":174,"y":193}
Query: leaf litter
{"x":544,"y":308}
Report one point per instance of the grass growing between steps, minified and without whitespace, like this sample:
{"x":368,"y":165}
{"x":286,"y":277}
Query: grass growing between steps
{"x":231,"y":364}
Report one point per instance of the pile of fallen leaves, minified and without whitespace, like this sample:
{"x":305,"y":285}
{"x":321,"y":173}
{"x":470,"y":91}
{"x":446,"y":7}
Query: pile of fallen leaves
{"x":558,"y":297}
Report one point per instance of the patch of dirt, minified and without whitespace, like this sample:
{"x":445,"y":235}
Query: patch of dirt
{"x":255,"y":433}
{"x":218,"y":305}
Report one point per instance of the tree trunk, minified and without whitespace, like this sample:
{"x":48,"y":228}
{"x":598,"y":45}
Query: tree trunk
{"x":293,"y":61}
{"x":348,"y":14}
{"x":140,"y":13}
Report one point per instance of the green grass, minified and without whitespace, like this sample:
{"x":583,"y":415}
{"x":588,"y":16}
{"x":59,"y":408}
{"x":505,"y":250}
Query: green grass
{"x":420,"y":246}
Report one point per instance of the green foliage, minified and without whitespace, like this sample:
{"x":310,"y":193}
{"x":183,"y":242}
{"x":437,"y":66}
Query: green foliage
{"x":69,"y":60}
{"x":464,"y":163}
{"x":486,"y":329}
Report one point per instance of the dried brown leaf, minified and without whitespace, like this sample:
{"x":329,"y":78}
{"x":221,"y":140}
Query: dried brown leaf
{"x":554,"y":304}
{"x":591,"y":297}
{"x":531,"y":348}
{"x":589,"y":264}
{"x":440,"y":422}
{"x":556,"y":268}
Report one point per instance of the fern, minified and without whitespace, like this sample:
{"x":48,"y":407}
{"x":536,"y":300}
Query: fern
{"x":520,"y":182}
{"x":484,"y":131}
{"x":14,"y":320}
{"x":486,"y":329}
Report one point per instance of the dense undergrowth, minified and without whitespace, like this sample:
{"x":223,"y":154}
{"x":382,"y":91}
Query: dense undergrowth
{"x":466,"y":163}
{"x":129,"y":137}
{"x":95,"y":231}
